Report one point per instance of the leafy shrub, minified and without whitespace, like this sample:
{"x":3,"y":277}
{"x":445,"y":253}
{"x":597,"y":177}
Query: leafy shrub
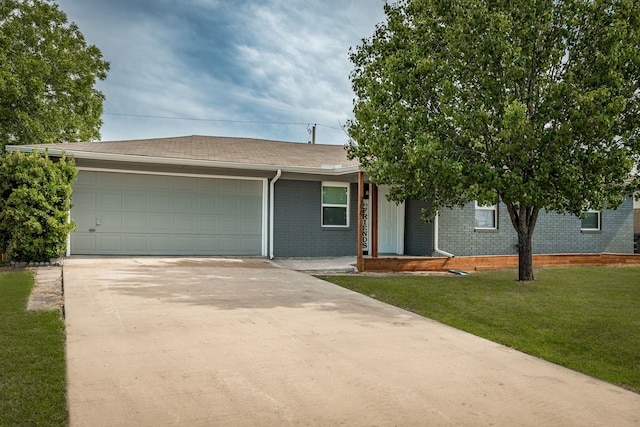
{"x":35,"y":198}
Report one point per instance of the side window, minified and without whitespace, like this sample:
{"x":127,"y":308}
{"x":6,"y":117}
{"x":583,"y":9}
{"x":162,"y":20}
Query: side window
{"x":592,"y":221}
{"x":486,"y":217}
{"x":335,"y":204}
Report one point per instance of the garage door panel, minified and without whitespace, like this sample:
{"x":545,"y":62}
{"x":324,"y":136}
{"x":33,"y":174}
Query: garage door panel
{"x":207,"y":225}
{"x":89,"y":179}
{"x":134,"y":222}
{"x":109,"y":200}
{"x":134,"y":244}
{"x":166,"y":215}
{"x":108,"y":243}
{"x":250,"y":205}
{"x":159,"y":244}
{"x":135,"y":181}
{"x":205,"y":205}
{"x":159,"y":223}
{"x":160,"y":201}
{"x":109,"y":179}
{"x":85,"y":197}
{"x":248,"y":242}
{"x":136,"y":201}
{"x":110,"y":222}
{"x":160,"y":182}
{"x":183,"y":183}
{"x":251,"y":229}
{"x":184,"y":203}
{"x":183,"y":224}
{"x":229,"y":186}
{"x":183,"y":244}
{"x":85,"y":219}
{"x":86,"y":241}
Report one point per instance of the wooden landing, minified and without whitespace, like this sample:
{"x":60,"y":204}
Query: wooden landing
{"x":493,"y":262}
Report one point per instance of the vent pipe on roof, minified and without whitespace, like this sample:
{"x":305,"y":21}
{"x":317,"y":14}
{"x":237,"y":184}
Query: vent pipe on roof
{"x":312,"y":131}
{"x":272,"y":187}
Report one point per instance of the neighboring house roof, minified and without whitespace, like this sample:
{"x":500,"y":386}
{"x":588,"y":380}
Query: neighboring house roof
{"x":226,"y":152}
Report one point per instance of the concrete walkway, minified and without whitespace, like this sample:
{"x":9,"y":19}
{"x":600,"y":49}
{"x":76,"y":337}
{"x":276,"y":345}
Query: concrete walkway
{"x":203,"y":342}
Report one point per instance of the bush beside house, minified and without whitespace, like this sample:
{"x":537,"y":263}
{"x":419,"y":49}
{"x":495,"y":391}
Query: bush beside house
{"x":35,"y":194}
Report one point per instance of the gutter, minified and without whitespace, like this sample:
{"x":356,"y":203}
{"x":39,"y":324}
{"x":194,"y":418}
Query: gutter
{"x":272,"y":186}
{"x":335,"y":170}
{"x":436,"y":249}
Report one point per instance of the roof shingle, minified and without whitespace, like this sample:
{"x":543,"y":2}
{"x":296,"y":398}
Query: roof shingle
{"x":247,"y":151}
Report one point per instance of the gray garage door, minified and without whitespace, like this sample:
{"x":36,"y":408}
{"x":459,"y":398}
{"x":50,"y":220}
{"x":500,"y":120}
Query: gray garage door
{"x":134,"y":214}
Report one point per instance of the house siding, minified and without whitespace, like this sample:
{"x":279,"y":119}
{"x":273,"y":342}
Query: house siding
{"x":297,"y":222}
{"x":554,"y":233}
{"x":418,"y":235}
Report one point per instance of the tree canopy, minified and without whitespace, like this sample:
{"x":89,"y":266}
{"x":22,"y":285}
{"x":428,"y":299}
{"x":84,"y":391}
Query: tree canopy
{"x":532,"y":103}
{"x":47,"y":77}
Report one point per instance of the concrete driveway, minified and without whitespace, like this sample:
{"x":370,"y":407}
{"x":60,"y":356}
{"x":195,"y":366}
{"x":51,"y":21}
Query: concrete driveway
{"x":204,"y":342}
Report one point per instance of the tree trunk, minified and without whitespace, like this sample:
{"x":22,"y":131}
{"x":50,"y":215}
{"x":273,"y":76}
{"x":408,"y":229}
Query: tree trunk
{"x":525,"y":257}
{"x":524,"y":221}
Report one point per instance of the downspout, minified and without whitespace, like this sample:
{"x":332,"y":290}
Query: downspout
{"x":436,"y":249}
{"x":272,"y":187}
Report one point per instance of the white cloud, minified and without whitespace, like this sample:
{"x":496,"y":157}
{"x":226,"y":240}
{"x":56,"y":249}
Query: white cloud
{"x":265,"y":61}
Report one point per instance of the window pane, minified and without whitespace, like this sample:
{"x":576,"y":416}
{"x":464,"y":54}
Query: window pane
{"x":485,"y":218}
{"x":334,"y":195}
{"x":334,"y":216}
{"x":590,"y":221}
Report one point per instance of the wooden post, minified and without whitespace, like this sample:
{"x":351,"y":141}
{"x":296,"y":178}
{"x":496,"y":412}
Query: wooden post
{"x":373,"y":194}
{"x":361,"y":201}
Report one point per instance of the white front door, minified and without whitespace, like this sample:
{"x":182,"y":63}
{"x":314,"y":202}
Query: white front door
{"x":390,"y":224}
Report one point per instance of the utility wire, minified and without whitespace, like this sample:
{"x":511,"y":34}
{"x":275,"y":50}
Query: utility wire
{"x":217,"y":120}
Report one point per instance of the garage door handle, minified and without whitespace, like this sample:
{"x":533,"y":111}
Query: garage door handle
{"x":92,"y":230}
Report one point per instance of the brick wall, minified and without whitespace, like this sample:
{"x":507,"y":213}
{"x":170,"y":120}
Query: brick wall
{"x":418,"y":238}
{"x":554,"y":233}
{"x":297,"y":222}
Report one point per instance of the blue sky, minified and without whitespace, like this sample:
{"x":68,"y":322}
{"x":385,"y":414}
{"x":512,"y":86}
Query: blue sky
{"x":241,"y":68}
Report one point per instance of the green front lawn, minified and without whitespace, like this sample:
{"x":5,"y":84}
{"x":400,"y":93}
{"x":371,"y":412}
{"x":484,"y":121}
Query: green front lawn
{"x":584,"y":318}
{"x":32,"y":358}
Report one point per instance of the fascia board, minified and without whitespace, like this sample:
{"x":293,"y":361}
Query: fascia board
{"x":88,"y":155}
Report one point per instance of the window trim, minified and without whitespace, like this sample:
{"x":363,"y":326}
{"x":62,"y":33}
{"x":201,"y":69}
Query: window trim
{"x":493,"y":208}
{"x":333,"y":205}
{"x":599,"y":216}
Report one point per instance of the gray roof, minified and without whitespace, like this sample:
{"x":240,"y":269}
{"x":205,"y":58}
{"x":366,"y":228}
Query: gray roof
{"x":230,"y":152}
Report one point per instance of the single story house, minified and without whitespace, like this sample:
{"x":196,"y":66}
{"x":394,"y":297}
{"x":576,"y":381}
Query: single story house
{"x":203,"y":195}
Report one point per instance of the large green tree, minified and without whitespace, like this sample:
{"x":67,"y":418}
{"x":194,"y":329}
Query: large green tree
{"x":532,"y":103}
{"x":47,"y":77}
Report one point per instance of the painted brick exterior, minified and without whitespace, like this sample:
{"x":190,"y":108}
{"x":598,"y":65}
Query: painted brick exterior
{"x":297,"y":222}
{"x":554,"y":233}
{"x":298,"y":230}
{"x":418,"y":238}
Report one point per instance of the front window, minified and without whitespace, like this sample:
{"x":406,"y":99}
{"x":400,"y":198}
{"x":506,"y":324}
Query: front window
{"x":591,"y":220}
{"x":486,"y":217}
{"x":335,"y":204}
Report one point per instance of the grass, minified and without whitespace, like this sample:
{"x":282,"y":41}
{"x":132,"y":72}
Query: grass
{"x":32,"y":358}
{"x":587,"y":319}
